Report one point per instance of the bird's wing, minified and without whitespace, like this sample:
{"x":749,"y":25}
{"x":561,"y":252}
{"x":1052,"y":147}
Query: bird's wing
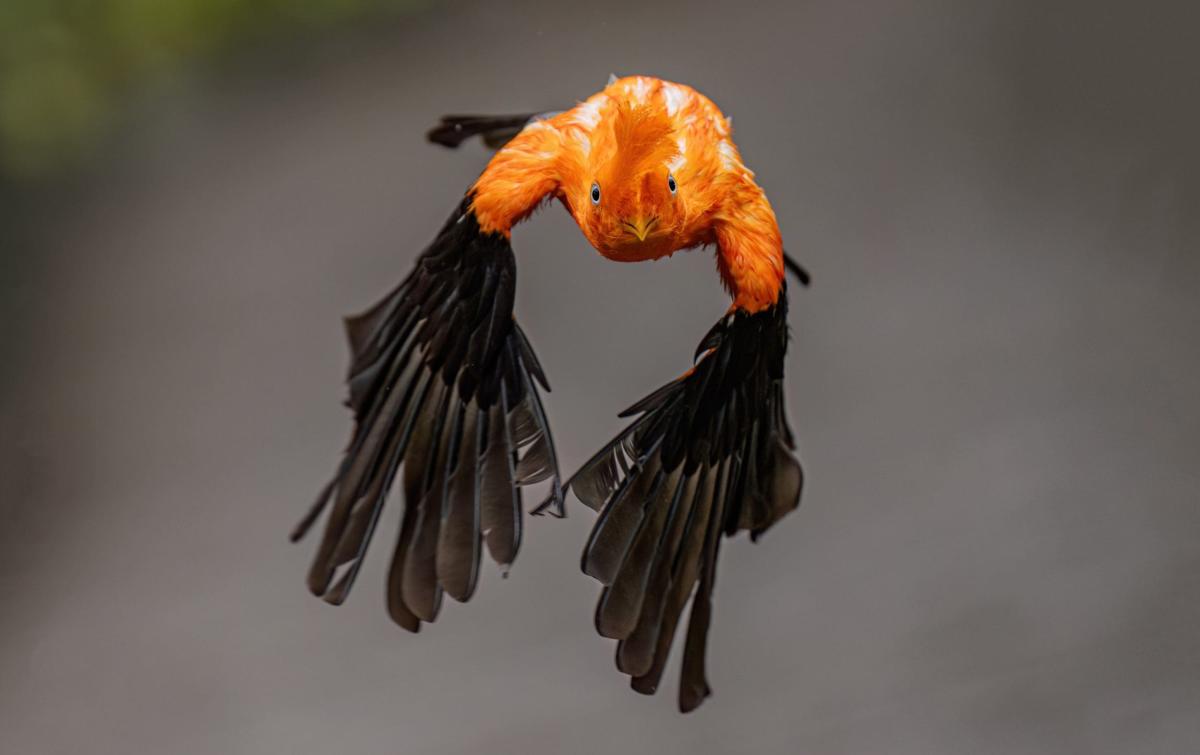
{"x":444,"y":383}
{"x":709,"y":454}
{"x":495,"y":130}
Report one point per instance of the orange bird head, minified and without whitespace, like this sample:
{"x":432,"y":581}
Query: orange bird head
{"x":625,"y":196}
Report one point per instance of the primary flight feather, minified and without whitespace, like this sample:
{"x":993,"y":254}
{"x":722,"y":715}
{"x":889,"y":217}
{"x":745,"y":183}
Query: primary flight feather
{"x":444,"y":383}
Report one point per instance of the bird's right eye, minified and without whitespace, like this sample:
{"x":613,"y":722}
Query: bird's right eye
{"x":595,"y":193}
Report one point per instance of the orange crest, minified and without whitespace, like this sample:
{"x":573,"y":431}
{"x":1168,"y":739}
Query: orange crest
{"x":643,"y":143}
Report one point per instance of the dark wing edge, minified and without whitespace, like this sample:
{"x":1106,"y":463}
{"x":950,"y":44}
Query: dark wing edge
{"x":709,"y":454}
{"x":495,"y":130}
{"x":443,"y":382}
{"x":797,"y":270}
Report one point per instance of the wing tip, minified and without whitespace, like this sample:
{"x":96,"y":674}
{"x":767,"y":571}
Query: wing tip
{"x":692,"y":698}
{"x":555,"y":504}
{"x":796,"y":269}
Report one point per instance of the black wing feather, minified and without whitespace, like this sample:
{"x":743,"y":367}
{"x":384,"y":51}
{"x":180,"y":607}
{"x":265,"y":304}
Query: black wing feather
{"x":444,"y":383}
{"x":709,"y":453}
{"x":495,"y":130}
{"x":453,"y":130}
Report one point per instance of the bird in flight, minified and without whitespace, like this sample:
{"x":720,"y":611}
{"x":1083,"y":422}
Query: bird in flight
{"x":446,"y":389}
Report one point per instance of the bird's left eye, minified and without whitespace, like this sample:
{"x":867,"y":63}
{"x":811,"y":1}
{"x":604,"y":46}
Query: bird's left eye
{"x":671,"y":183}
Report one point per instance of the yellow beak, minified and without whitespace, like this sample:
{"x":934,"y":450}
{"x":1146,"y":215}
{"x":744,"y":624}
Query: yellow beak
{"x":640,"y":227}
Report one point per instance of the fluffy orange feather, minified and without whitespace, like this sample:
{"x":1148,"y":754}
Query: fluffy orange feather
{"x":646,"y":168}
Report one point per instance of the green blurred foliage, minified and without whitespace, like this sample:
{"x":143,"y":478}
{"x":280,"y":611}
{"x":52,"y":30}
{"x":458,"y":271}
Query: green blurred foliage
{"x":66,"y":66}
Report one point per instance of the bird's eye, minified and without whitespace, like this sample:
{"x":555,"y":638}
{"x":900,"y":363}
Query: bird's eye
{"x":671,"y":183}
{"x":595,"y":193}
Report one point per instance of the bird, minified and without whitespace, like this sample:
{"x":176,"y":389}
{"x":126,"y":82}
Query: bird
{"x":445,"y":386}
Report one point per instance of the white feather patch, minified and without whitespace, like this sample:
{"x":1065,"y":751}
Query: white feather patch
{"x":585,"y":144}
{"x":640,"y":89}
{"x":588,"y":113}
{"x":679,"y":160}
{"x":729,"y":156}
{"x":676,"y":98}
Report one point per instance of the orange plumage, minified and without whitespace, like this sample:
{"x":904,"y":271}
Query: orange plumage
{"x":646,"y":167}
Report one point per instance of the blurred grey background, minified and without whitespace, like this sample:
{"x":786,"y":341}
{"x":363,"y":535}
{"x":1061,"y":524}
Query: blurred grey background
{"x":994,"y":378}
